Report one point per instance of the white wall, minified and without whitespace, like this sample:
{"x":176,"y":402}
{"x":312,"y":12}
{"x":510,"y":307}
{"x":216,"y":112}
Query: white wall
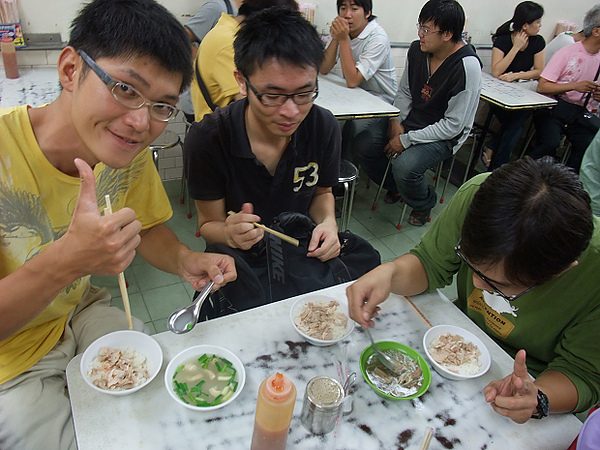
{"x":398,"y":17}
{"x":37,"y":17}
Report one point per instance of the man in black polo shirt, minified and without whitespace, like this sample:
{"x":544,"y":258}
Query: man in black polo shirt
{"x":273,"y":151}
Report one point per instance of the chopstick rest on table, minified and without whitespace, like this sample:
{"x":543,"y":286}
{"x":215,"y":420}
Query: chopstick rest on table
{"x":283,"y":237}
{"x":122,"y":285}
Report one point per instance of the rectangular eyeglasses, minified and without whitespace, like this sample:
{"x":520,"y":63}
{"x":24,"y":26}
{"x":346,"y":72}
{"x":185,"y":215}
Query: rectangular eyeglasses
{"x":129,"y":96}
{"x":508,"y":298}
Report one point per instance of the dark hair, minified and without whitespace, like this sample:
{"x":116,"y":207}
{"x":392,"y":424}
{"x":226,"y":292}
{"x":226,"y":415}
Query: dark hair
{"x":133,"y":28}
{"x":533,"y":216}
{"x":249,"y":7}
{"x":448,"y":15}
{"x":366,"y":5}
{"x":525,"y":12}
{"x":278,"y":33}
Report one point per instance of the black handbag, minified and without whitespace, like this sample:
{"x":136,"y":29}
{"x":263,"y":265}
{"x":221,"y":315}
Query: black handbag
{"x":273,"y":269}
{"x":570,"y":114}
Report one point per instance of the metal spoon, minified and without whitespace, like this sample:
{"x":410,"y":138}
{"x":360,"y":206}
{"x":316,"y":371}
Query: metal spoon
{"x":184,"y":319}
{"x":385,"y":359}
{"x":349,"y":382}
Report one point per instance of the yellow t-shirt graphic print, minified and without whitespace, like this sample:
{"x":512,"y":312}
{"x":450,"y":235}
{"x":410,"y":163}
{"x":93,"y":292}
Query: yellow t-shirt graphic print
{"x":36,"y":206}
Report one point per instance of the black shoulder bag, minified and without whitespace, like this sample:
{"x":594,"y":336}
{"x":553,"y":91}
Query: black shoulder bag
{"x":273,"y":270}
{"x":201,"y":84}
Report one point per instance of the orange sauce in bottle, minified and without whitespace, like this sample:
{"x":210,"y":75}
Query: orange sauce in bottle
{"x":9,"y":57}
{"x":274,"y":410}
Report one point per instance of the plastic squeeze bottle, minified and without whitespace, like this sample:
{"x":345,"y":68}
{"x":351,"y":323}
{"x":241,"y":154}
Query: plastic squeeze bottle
{"x":274,"y":410}
{"x":9,"y":57}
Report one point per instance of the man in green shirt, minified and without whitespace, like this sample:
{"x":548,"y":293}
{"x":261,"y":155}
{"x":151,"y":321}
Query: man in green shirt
{"x":526,"y":251}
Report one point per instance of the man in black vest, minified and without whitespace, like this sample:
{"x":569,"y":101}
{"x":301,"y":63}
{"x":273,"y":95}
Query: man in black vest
{"x":437,"y":98}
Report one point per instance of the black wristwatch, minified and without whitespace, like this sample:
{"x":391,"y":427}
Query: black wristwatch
{"x":543,"y":406}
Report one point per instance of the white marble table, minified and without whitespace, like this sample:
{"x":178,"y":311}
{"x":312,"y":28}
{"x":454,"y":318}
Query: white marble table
{"x":515,"y":95}
{"x":34,"y":87}
{"x":351,"y":103}
{"x":266,"y":342}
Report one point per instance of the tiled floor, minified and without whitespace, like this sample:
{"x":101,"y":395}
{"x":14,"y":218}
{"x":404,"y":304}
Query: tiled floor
{"x":154,"y":294}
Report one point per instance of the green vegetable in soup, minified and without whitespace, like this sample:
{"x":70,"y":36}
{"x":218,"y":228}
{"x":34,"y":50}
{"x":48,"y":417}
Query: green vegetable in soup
{"x":205,"y":381}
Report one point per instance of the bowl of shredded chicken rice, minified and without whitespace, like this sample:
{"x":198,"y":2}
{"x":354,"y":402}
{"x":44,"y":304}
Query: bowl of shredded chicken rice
{"x":321,"y":320}
{"x":455,"y":353}
{"x":121,"y":363}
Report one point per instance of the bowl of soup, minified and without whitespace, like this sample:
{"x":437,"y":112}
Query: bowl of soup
{"x":412,"y":381}
{"x":205,"y":377}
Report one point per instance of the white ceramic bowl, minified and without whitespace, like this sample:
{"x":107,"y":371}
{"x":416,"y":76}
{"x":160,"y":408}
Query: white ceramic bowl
{"x":317,"y":298}
{"x":484,"y":358}
{"x":198,"y":351}
{"x":140,"y":342}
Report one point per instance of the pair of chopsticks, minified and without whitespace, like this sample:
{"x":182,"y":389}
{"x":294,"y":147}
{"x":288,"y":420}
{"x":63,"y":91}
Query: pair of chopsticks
{"x":418,"y":311}
{"x":428,"y":435}
{"x":283,"y":237}
{"x":122,"y":285}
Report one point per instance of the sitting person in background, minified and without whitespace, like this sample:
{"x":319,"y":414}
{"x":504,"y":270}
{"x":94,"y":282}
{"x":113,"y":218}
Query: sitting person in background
{"x":437,"y":99}
{"x":518,"y":54}
{"x":121,"y":74}
{"x":525,"y":249}
{"x":197,"y":27}
{"x":270,"y":153}
{"x":213,"y":83}
{"x":572,"y":77}
{"x":561,"y":40}
{"x":566,"y":38}
{"x":363,"y":49}
{"x":590,"y":173}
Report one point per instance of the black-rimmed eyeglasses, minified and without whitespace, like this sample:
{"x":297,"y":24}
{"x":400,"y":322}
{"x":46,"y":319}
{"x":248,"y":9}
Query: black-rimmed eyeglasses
{"x":301,"y":98}
{"x":508,"y":298}
{"x":128,"y":95}
{"x":426,"y":31}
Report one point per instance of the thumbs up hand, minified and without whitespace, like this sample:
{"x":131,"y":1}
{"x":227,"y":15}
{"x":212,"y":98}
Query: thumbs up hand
{"x":514,"y":396}
{"x":96,"y":244}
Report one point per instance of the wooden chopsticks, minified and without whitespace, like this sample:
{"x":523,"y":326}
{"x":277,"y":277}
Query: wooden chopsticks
{"x":418,"y":311}
{"x":283,"y":237}
{"x":122,"y":285}
{"x":428,"y":435}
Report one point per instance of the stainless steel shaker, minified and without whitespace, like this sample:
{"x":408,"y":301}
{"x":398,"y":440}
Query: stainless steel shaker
{"x":322,"y":405}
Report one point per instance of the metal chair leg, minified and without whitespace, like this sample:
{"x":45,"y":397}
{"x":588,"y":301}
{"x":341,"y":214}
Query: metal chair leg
{"x":471,"y":155}
{"x":402,"y":216}
{"x":346,"y":226}
{"x":448,"y":177}
{"x":344,"y":218}
{"x":380,"y":188}
{"x":438,"y":174}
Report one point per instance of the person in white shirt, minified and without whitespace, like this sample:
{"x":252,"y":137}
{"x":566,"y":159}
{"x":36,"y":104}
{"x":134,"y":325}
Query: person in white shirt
{"x":363,"y":49}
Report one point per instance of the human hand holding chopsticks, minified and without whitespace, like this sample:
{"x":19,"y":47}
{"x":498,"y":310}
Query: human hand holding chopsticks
{"x":122,"y":283}
{"x":244,"y":230}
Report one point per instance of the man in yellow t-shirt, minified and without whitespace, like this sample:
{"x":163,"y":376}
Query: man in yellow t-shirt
{"x":57,"y":163}
{"x":214,"y":61}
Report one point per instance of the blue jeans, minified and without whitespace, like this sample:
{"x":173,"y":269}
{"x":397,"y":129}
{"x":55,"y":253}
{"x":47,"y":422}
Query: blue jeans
{"x":407,"y":175}
{"x":361,"y":135}
{"x":409,"y":172}
{"x":511,"y":130}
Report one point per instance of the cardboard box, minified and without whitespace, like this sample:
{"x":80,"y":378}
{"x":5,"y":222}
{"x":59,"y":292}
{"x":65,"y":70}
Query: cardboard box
{"x":14,"y":30}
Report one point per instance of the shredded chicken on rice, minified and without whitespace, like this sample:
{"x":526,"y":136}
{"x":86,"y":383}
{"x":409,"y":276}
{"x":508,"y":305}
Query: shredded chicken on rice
{"x":452,"y":352}
{"x":322,"y":320}
{"x":118,"y":370}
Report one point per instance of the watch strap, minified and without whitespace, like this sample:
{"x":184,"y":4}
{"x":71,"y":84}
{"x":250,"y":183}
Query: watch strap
{"x":543,"y":406}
